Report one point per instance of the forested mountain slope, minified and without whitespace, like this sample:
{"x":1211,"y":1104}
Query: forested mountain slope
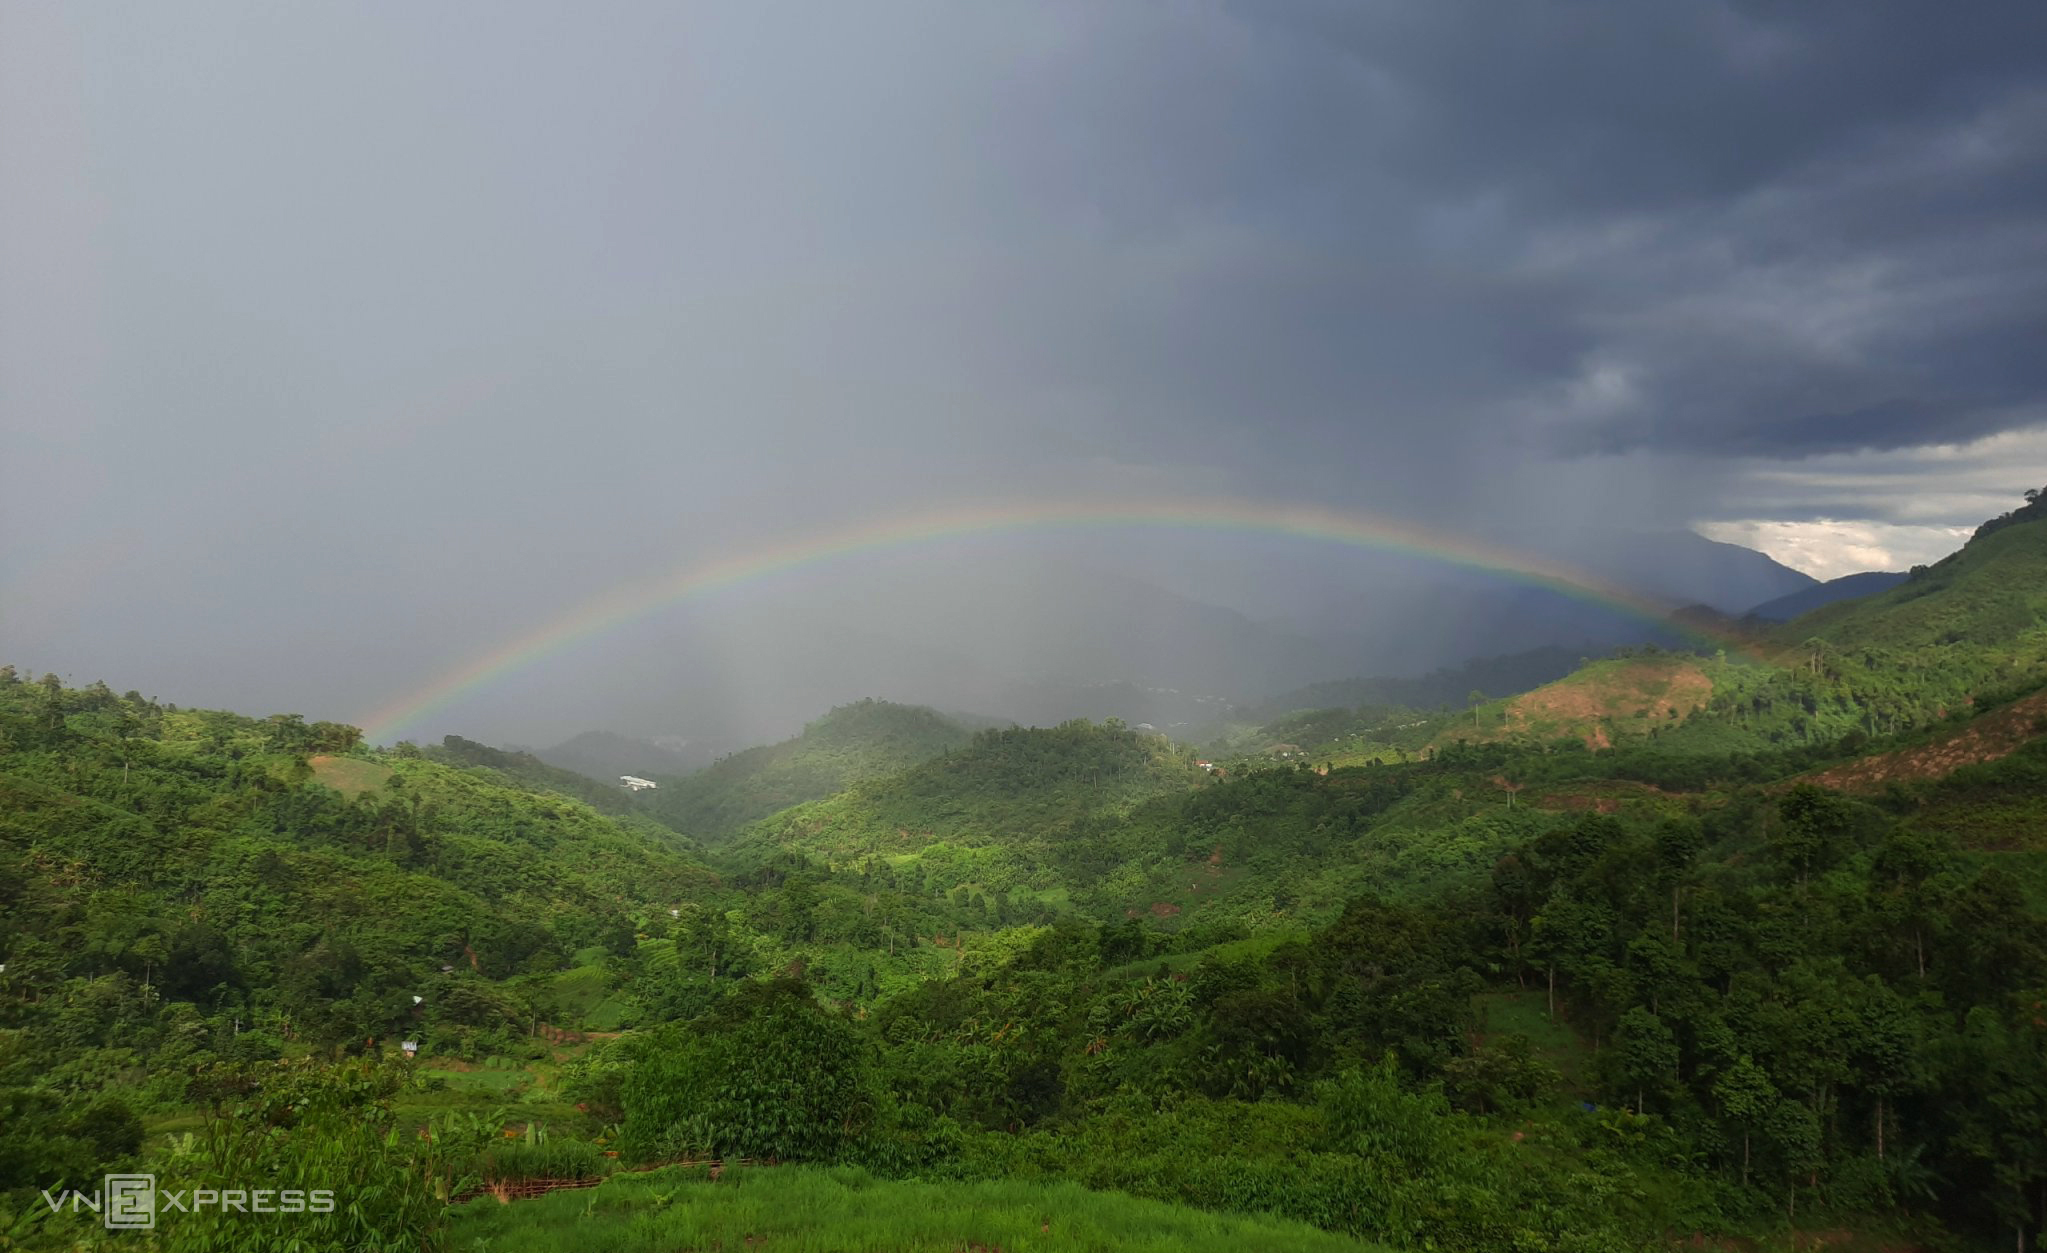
{"x":1978,"y":608}
{"x":1781,"y":1005}
{"x":1010,"y":787}
{"x":1967,"y":632}
{"x":152,"y":854}
{"x":860,"y":741}
{"x":605,"y":795}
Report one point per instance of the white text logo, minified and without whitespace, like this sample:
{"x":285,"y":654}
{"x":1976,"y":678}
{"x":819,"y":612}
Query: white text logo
{"x":132,"y":1202}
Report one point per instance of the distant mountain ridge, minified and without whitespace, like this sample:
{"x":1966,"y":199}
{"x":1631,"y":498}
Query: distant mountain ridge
{"x":1079,"y":642}
{"x":1686,"y":567}
{"x":1448,"y":619}
{"x":1021,"y":787}
{"x":605,"y":755}
{"x":1847,"y":587}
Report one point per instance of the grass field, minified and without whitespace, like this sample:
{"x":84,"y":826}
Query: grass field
{"x":497,"y":1081}
{"x":788,"y":1209}
{"x":348,"y":775}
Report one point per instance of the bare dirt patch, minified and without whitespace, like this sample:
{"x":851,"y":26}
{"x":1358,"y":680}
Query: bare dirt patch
{"x":1595,"y":705}
{"x":1996,"y":734}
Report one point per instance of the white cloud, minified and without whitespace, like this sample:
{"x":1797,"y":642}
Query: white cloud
{"x":1827,"y":548}
{"x":1869,"y":510}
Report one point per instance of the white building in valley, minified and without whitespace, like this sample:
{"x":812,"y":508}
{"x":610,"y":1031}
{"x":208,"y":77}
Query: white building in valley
{"x":635,"y":783}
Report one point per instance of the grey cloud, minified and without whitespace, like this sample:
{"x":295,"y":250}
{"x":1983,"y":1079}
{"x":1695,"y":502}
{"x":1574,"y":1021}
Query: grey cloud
{"x":1791,"y":231}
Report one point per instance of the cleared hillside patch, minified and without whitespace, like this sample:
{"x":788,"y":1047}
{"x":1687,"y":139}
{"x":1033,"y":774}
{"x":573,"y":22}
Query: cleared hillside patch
{"x":350,"y":776}
{"x":1600,"y":703}
{"x":1996,"y":734}
{"x":1606,"y":699}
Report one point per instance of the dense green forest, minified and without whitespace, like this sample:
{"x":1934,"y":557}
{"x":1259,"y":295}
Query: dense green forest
{"x":603,"y":795}
{"x":1735,"y":945}
{"x":865,"y":740}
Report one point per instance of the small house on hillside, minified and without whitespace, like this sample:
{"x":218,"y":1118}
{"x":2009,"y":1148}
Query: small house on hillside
{"x":635,"y":783}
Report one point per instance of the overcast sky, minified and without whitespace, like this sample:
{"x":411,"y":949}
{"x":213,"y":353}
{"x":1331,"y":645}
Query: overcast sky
{"x":370,"y":333}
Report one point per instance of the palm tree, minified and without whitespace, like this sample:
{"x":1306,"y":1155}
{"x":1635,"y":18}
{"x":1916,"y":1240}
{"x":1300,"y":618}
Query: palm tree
{"x":1912,"y":1179}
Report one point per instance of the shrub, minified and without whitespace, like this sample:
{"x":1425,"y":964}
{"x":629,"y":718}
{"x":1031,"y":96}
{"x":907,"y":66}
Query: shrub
{"x":767,"y":1075}
{"x":43,"y":1144}
{"x":306,"y":1127}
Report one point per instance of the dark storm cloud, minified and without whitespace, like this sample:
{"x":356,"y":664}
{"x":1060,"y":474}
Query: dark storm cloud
{"x":1596,"y":227}
{"x":1611,"y":106}
{"x":378,"y":329}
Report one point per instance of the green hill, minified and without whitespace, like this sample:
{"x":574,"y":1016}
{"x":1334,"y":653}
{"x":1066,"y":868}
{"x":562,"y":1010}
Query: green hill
{"x":527,"y":770}
{"x":860,"y":741}
{"x":1966,"y":633}
{"x":1977,"y":611}
{"x":283,"y":875}
{"x":1016,"y":788}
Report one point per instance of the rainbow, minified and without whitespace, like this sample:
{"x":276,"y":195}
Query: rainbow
{"x":641,"y":597}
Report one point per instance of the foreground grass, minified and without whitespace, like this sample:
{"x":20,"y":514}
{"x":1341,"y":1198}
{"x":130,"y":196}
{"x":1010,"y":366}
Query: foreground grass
{"x":790,"y":1209}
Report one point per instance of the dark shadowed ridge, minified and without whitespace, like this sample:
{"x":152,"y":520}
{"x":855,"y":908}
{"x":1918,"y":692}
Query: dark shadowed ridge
{"x":1495,"y":676}
{"x":1847,"y":587}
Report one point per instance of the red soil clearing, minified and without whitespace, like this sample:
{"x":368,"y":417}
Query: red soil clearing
{"x":1996,"y":734}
